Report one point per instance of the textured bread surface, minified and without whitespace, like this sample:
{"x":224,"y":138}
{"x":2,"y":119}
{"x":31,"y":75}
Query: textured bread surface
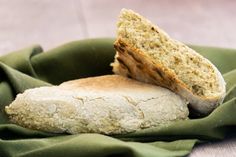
{"x":109,"y":104}
{"x":147,"y":53}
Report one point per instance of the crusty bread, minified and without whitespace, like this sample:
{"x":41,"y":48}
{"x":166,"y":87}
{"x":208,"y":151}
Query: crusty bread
{"x":147,"y":53}
{"x":109,"y":104}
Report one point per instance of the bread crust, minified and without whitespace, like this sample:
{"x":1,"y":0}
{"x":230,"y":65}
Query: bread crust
{"x":109,"y":104}
{"x":141,"y":67}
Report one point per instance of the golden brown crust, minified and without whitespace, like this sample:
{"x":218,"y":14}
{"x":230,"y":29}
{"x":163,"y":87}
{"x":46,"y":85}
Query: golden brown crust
{"x":138,"y":61}
{"x":143,"y":68}
{"x":104,"y":83}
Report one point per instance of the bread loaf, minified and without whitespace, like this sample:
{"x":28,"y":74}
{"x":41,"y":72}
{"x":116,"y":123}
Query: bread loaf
{"x":146,"y":53}
{"x":109,"y":104}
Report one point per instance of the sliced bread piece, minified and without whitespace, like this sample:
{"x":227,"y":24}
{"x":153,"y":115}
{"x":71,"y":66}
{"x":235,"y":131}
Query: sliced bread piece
{"x":110,"y":104}
{"x":147,"y":53}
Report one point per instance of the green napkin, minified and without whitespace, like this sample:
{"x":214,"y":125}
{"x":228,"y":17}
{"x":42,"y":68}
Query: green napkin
{"x":31,"y":67}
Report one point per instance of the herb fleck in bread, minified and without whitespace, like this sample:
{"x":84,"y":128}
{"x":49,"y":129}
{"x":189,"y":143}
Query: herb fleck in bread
{"x":147,"y":53}
{"x":109,"y":104}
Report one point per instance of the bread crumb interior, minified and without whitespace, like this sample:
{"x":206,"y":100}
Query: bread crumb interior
{"x":190,"y":67}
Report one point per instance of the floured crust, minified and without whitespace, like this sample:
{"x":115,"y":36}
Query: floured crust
{"x":109,"y":104}
{"x":133,"y":63}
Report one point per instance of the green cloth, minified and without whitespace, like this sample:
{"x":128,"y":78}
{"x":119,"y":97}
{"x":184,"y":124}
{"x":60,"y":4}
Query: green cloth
{"x":31,"y":67}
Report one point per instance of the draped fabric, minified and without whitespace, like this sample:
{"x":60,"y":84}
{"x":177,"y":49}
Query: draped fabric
{"x":32,"y":67}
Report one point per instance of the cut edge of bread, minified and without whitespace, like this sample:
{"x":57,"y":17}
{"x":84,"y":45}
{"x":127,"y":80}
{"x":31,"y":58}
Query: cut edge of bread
{"x":132,"y":62}
{"x":147,"y":53}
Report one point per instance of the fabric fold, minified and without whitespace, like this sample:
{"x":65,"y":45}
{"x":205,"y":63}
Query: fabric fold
{"x":31,"y":67}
